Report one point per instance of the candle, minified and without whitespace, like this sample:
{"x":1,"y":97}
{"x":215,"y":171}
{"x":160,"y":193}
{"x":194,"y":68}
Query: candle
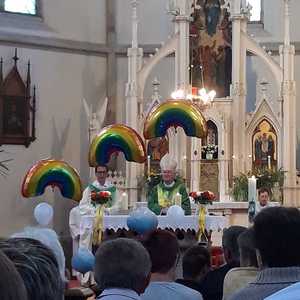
{"x":148,"y":166}
{"x":177,"y":199}
{"x":124,"y":201}
{"x":251,"y":197}
{"x":269,"y":162}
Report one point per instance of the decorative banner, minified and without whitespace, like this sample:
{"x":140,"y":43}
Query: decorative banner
{"x":50,"y":172}
{"x":183,"y":113}
{"x":116,"y":138}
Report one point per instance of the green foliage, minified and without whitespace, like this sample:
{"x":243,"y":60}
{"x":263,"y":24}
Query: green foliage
{"x":265,"y":178}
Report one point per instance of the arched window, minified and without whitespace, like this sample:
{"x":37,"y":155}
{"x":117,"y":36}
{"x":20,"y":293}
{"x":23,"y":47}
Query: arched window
{"x":256,"y":12}
{"x":28,"y":7}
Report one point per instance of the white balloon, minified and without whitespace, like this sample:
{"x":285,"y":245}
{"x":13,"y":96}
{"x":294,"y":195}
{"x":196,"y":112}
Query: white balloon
{"x":43,"y":213}
{"x":175,"y":211}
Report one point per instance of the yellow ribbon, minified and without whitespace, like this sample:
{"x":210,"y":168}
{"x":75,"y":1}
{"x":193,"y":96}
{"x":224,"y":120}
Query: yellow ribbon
{"x":98,"y":226}
{"x":201,"y":220}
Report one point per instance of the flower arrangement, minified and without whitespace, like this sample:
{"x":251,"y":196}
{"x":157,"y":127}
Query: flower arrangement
{"x":204,"y":198}
{"x":210,"y":148}
{"x":101,"y":197}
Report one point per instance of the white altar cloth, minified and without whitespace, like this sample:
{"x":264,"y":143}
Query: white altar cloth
{"x":213,"y":223}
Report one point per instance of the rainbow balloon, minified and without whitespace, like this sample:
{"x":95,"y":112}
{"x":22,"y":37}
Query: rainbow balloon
{"x":116,"y":138}
{"x":183,"y":113}
{"x":50,"y":172}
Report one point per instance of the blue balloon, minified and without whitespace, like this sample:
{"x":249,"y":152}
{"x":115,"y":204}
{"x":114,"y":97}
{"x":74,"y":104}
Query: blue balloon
{"x":83,"y":261}
{"x":142,"y":220}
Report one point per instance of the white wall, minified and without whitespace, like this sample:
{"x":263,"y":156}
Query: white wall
{"x":76,"y":19}
{"x":273,"y":19}
{"x":62,"y":80}
{"x":154,"y":24}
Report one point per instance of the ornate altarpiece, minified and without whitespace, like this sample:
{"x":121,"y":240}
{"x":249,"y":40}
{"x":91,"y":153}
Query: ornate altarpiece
{"x":210,"y":47}
{"x":17,"y":107}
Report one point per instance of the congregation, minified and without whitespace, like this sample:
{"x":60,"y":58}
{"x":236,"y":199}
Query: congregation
{"x":261,"y":262}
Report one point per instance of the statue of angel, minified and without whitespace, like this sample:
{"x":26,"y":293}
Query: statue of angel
{"x":95,"y":119}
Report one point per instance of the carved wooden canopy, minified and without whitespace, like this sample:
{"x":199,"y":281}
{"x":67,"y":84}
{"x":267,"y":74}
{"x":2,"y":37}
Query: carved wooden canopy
{"x":17,"y":107}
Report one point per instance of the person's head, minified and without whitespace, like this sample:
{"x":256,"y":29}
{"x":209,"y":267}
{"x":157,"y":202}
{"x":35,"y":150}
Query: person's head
{"x":163,"y":248}
{"x":122,"y":263}
{"x":11,"y":283}
{"x":247,"y":249}
{"x":263,"y":196}
{"x":196,"y":263}
{"x":101,"y":174}
{"x":277,"y":236}
{"x":168,"y":169}
{"x":37,"y":266}
{"x":230,"y":245}
{"x":49,"y":238}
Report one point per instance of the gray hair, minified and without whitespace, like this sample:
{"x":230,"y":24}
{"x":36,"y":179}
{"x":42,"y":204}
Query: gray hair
{"x":229,"y":241}
{"x":122,"y":263}
{"x":37,"y":266}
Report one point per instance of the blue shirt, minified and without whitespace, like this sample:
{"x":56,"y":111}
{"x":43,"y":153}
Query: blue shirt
{"x":290,"y":293}
{"x":169,"y":291}
{"x":118,"y":294}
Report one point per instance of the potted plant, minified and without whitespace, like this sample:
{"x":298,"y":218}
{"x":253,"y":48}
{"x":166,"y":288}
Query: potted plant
{"x":271,"y":179}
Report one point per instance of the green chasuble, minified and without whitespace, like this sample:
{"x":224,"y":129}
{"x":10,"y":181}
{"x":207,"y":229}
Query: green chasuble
{"x":163,"y":195}
{"x":110,"y":188}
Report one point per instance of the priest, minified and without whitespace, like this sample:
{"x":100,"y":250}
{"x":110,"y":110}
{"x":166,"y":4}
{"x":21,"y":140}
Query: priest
{"x":90,"y":209}
{"x":167,"y":192}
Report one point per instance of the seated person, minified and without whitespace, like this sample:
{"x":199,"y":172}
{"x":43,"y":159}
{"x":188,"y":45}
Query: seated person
{"x":277,"y":240}
{"x":163,"y":248}
{"x":212,"y":283}
{"x":11,"y":283}
{"x":163,"y":195}
{"x":122,"y":269}
{"x":37,"y":266}
{"x":238,"y":278}
{"x":196,"y":263}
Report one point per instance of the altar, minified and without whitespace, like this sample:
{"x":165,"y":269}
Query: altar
{"x":212,"y":223}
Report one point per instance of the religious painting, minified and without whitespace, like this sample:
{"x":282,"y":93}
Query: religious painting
{"x":156,"y":149}
{"x":264,"y":146}
{"x":210,"y":47}
{"x":210,"y":143}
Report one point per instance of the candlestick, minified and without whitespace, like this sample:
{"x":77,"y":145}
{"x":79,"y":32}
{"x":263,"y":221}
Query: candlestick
{"x":148,"y":166}
{"x":251,"y":198}
{"x":177,"y":199}
{"x":124,"y":201}
{"x":269,"y":162}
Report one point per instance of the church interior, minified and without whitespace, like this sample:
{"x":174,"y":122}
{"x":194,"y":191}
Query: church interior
{"x":221,"y":74}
